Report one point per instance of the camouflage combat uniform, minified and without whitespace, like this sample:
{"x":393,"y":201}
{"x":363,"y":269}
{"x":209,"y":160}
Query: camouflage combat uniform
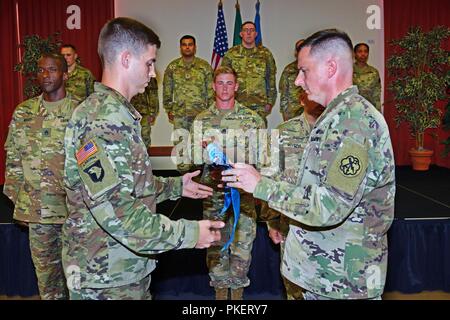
{"x":290,"y":105}
{"x":346,"y":188}
{"x":80,"y":83}
{"x":369,"y":84}
{"x":187,"y":90}
{"x":112,"y":229}
{"x":256,"y":72}
{"x":229,"y":269}
{"x":34,"y":182}
{"x":293,"y":136}
{"x":147,"y":104}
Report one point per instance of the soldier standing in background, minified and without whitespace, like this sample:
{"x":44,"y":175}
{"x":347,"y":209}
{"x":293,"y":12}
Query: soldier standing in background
{"x":113,"y":229}
{"x":228,"y":269}
{"x":147,"y":104}
{"x":256,"y":70}
{"x":81,"y":81}
{"x":290,"y":105}
{"x":366,"y":77}
{"x":293,"y":136}
{"x":344,"y":194}
{"x":34,"y":172}
{"x":187,"y":85}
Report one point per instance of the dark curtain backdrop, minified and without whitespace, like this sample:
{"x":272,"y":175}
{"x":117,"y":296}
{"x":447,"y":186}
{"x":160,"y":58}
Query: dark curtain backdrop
{"x":399,"y":15}
{"x":44,"y":17}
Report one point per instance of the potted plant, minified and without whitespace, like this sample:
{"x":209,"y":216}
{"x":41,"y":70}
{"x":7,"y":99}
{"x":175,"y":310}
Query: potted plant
{"x":420,"y":71}
{"x":33,"y":47}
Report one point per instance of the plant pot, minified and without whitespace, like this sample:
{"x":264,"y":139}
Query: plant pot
{"x":421,"y":159}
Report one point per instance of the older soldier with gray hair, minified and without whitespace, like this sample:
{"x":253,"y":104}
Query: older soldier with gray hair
{"x":34,"y":172}
{"x":344,"y":194}
{"x":113,"y":229}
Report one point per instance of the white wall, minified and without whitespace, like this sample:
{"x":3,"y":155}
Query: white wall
{"x":282,"y":22}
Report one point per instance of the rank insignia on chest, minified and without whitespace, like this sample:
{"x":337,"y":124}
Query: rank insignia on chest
{"x":46,"y":132}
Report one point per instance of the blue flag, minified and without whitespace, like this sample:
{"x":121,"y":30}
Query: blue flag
{"x":258,"y":39}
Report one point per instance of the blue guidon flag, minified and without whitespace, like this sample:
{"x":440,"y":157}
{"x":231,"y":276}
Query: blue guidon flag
{"x":231,"y":195}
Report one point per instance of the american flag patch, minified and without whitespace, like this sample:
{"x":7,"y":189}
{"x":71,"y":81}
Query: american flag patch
{"x":86,"y":151}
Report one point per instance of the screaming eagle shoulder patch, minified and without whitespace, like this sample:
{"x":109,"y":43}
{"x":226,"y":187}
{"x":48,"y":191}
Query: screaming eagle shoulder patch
{"x":97,"y":171}
{"x":348,"y":168}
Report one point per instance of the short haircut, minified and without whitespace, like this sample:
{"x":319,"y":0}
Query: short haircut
{"x":329,"y":40}
{"x":298,"y":43}
{"x":247,"y":22}
{"x":187,"y":36}
{"x":359,"y":45}
{"x":68,"y":45}
{"x":124,"y":34}
{"x":57,"y":57}
{"x":224,"y":70}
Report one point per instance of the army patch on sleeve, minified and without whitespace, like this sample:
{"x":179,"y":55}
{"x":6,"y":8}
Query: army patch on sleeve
{"x":348,"y":168}
{"x":97,"y":171}
{"x":89,"y":149}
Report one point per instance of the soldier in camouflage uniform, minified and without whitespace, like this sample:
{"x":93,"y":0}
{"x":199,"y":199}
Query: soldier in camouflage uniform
{"x":34,"y":170}
{"x":344,"y":194}
{"x":228,"y":269}
{"x":81,"y":81}
{"x":290,"y":105}
{"x":113,"y":231}
{"x":147,"y":104}
{"x":256,"y":72}
{"x":366,"y":77}
{"x":293,"y":136}
{"x":187,"y":86}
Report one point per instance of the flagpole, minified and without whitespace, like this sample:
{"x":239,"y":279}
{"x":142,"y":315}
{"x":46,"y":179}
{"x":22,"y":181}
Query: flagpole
{"x":237,"y":25}
{"x":220,"y":38}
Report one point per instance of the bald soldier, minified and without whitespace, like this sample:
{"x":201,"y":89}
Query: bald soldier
{"x":344,"y":194}
{"x":113,"y":231}
{"x":256,"y":70}
{"x":34,"y":172}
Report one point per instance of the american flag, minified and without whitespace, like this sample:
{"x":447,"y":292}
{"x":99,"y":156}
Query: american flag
{"x":220,"y":39}
{"x":86,"y":151}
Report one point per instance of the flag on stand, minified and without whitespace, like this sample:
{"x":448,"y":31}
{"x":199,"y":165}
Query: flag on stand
{"x":220,"y":39}
{"x":258,"y":39}
{"x":237,"y":25}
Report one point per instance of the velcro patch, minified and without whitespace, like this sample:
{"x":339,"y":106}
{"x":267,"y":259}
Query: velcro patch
{"x":98,"y":172}
{"x":348,"y":168}
{"x":86,"y":151}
